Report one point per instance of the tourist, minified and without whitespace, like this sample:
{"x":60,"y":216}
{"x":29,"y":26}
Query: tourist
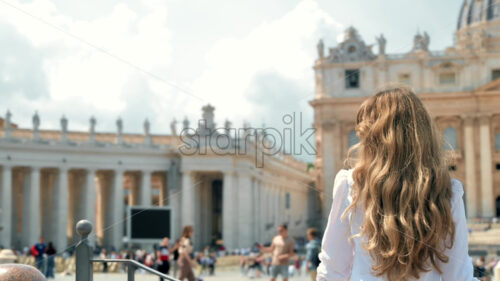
{"x":163,"y":256}
{"x":175,"y":253}
{"x":313,"y":247}
{"x":282,"y":248}
{"x":185,"y":262}
{"x":51,"y":256}
{"x":104,"y":255}
{"x":397,"y":215}
{"x":38,"y":250}
{"x":212,"y":260}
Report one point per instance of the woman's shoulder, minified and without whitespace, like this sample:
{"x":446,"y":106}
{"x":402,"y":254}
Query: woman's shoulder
{"x":344,"y":177}
{"x":457,"y":190}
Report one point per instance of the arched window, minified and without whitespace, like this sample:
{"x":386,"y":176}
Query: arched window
{"x":353,"y":138}
{"x":450,"y":138}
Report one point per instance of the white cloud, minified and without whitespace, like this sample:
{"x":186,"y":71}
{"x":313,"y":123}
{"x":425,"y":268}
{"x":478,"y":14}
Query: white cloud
{"x":237,"y":73}
{"x":80,"y":73}
{"x":284,"y":47}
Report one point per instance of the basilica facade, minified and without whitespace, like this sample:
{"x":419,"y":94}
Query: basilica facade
{"x":51,"y":179}
{"x":458,"y":85}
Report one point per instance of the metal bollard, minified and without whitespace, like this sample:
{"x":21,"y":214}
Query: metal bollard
{"x":130,"y":272}
{"x":84,"y":270}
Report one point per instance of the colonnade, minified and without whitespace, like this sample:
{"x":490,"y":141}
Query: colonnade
{"x":46,"y":202}
{"x":252,"y":207}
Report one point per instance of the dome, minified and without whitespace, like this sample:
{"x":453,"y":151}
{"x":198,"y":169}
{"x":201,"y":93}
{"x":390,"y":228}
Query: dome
{"x":474,"y":11}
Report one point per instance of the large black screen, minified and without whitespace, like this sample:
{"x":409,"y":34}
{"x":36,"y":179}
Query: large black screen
{"x":150,"y":223}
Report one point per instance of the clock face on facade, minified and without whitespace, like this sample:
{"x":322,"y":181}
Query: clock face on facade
{"x":351,"y":49}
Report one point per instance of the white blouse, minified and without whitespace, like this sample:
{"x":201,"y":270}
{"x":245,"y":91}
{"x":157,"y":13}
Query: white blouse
{"x":343,"y":259}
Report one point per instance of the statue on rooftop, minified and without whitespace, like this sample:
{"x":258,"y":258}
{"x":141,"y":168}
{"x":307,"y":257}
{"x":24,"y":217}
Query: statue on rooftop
{"x":147,"y":127}
{"x":381,"y":44}
{"x":93,"y":123}
{"x":36,"y":121}
{"x":185,"y":124}
{"x":173,"y":127}
{"x":64,"y":124}
{"x":8,"y":121}
{"x":119,"y":125}
{"x":321,"y":49}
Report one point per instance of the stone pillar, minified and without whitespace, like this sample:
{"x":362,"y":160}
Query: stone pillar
{"x":146,"y":189}
{"x":487,"y":197}
{"x":61,"y":194}
{"x":330,"y":153}
{"x":116,"y":226}
{"x":6,"y":201}
{"x":470,"y":167}
{"x":188,"y":199}
{"x":229,"y":211}
{"x":34,"y":206}
{"x":90,"y":196}
{"x":245,"y":210}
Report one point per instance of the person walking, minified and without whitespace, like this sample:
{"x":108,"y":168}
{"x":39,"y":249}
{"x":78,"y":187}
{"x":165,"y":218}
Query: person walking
{"x":38,"y":251}
{"x":313,"y":247}
{"x":51,"y":264}
{"x":185,"y":262}
{"x":163,"y":256}
{"x":282,"y":249}
{"x":396,"y":214}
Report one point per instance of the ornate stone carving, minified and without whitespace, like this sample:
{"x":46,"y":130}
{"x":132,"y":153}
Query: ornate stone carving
{"x":352,"y":48}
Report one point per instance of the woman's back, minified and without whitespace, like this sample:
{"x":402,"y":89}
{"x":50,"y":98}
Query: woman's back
{"x":342,"y":259}
{"x":397,"y":215}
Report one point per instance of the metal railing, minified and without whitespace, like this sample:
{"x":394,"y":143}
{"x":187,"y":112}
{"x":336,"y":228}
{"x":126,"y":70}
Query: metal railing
{"x":84,"y":258}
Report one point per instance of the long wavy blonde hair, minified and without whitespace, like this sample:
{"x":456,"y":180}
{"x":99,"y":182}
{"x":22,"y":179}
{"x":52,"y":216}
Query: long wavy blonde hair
{"x":402,"y":181}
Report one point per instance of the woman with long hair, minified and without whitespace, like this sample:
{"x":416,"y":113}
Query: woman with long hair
{"x":185,"y":262}
{"x":397,"y":214}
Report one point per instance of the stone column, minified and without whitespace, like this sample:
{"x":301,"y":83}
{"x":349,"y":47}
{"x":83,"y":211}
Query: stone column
{"x":188,"y":199}
{"x":146,"y":189}
{"x":6,"y":201}
{"x":34,"y":206}
{"x":174,"y":202}
{"x":61,"y":194}
{"x":229,"y":211}
{"x":90,"y":196}
{"x":116,"y":226}
{"x":245,"y":210}
{"x":470,"y":167}
{"x":486,"y":167}
{"x":330,"y":153}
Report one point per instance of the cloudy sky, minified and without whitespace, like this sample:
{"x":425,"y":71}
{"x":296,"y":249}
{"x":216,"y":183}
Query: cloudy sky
{"x":165,"y":59}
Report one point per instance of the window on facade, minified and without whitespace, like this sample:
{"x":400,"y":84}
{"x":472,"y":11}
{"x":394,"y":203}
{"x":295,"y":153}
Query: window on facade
{"x":287,"y":200}
{"x":352,"y":78}
{"x":353,"y":138}
{"x":447,"y":78}
{"x":495,"y":74}
{"x":497,"y":141}
{"x":498,"y":166}
{"x":450,"y":138}
{"x":405,"y":78}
